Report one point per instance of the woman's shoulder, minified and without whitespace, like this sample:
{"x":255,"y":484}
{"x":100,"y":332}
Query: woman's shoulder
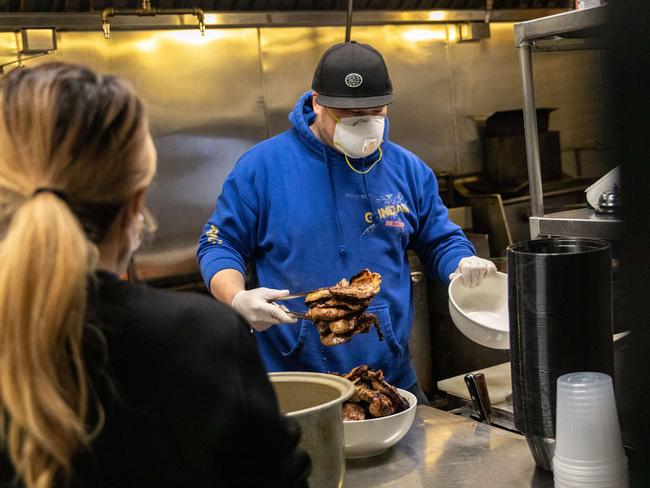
{"x":172,"y":305}
{"x":187,"y":387}
{"x":168,"y":327}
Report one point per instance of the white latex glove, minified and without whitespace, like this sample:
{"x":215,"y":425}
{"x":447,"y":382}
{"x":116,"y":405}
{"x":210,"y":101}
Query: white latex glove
{"x":473,"y":271}
{"x":256,"y":306}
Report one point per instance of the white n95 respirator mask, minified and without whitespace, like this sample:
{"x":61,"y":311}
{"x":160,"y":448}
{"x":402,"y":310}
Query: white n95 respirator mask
{"x":358,"y":137}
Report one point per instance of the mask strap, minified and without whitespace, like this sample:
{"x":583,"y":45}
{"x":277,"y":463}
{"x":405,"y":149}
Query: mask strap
{"x":333,"y":116}
{"x":381,"y":154}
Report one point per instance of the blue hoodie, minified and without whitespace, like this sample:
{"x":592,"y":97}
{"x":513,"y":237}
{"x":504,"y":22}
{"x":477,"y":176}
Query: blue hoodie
{"x":294,"y":209}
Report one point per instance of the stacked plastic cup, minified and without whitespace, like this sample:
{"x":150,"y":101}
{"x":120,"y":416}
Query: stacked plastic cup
{"x":588,"y":450}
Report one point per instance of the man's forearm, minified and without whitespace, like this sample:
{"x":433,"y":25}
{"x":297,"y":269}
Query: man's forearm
{"x":226,"y":284}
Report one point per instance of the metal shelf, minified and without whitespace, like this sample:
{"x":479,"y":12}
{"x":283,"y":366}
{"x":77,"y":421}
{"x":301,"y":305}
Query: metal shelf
{"x":569,"y":31}
{"x":583,"y":222}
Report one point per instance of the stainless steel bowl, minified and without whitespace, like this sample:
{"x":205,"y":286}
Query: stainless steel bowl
{"x":315,"y":401}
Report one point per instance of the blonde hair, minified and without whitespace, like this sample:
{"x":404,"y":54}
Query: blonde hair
{"x":62,"y":127}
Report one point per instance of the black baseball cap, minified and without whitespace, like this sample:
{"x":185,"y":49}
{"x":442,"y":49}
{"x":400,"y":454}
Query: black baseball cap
{"x":352,"y":75}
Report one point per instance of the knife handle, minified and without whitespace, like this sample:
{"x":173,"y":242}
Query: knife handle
{"x":478,"y":392}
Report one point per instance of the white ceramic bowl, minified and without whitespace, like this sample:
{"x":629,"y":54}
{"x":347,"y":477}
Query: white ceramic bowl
{"x":481,"y":313}
{"x":365,"y":438}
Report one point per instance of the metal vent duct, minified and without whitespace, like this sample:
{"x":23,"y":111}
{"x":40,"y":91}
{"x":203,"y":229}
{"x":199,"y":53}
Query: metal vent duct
{"x":274,"y":5}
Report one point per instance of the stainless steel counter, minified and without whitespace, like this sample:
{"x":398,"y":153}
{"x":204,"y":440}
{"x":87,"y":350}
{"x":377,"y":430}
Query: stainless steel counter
{"x":446,"y":450}
{"x":582,"y":222}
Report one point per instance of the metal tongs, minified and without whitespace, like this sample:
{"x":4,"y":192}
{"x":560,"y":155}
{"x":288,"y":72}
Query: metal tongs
{"x":297,"y":315}
{"x":294,"y":295}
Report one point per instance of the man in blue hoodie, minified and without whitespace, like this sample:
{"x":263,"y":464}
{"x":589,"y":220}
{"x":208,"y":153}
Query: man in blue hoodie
{"x":318,"y":203}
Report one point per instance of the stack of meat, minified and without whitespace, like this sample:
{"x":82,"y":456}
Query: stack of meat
{"x":373,"y":397}
{"x":339,"y":311}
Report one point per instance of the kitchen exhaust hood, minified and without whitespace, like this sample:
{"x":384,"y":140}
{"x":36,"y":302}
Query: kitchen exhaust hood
{"x":278,"y":5}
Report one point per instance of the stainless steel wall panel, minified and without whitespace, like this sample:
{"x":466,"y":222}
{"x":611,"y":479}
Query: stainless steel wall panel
{"x":485,"y":78}
{"x":7,"y":47}
{"x":420,"y":117}
{"x":289,"y":57}
{"x":204,"y":99}
{"x":572,"y":82}
{"x":210,"y":98}
{"x":422,"y":114}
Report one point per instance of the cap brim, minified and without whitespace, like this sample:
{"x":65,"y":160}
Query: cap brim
{"x":354,"y":102}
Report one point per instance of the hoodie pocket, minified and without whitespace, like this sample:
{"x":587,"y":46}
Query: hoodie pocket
{"x":367,"y":348}
{"x":295,"y":348}
{"x":364,"y":348}
{"x":386,"y":324}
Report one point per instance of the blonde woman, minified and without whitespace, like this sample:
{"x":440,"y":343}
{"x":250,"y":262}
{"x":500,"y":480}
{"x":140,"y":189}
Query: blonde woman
{"x":104,"y":383}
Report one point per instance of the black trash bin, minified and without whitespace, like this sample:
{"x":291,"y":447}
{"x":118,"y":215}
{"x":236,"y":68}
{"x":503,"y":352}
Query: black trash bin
{"x":559,"y":298}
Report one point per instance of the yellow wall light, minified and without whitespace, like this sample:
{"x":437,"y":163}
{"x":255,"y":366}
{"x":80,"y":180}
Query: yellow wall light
{"x":437,"y":15}
{"x":147,"y":45}
{"x":419,"y":35}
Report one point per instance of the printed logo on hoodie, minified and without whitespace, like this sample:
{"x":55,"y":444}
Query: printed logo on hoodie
{"x":386,"y":211}
{"x":212,"y":235}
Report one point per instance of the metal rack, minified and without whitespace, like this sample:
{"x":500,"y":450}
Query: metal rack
{"x":569,"y":31}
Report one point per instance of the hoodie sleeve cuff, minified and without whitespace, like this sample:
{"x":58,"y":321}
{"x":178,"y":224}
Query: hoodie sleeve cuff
{"x":213,"y":266}
{"x":449,"y":264}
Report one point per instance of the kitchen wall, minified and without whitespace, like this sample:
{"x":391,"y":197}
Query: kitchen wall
{"x":211,"y":97}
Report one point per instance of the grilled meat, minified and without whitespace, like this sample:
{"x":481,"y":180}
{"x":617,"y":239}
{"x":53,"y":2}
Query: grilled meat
{"x":363,"y":392}
{"x":366,"y":321}
{"x":389,"y":391}
{"x":356,"y":372}
{"x":316,"y":295}
{"x":372,"y":394}
{"x":353,"y":411}
{"x":353,"y":324}
{"x":327,"y":314}
{"x":329,"y":338}
{"x":362,"y":286}
{"x":339,"y":311}
{"x":333,"y":339}
{"x":353,"y":305}
{"x":381,"y":406}
{"x":343,"y":326}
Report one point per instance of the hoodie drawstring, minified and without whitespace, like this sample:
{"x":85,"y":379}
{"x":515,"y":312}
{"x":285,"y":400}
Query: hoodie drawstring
{"x":375,"y":213}
{"x":339,"y":228}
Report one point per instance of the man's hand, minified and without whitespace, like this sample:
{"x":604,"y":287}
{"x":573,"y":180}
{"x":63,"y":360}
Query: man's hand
{"x":473,"y":271}
{"x":256,"y":306}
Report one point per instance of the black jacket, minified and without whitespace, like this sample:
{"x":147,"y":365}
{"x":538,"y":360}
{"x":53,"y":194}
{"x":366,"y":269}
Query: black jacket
{"x":187,"y":399}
